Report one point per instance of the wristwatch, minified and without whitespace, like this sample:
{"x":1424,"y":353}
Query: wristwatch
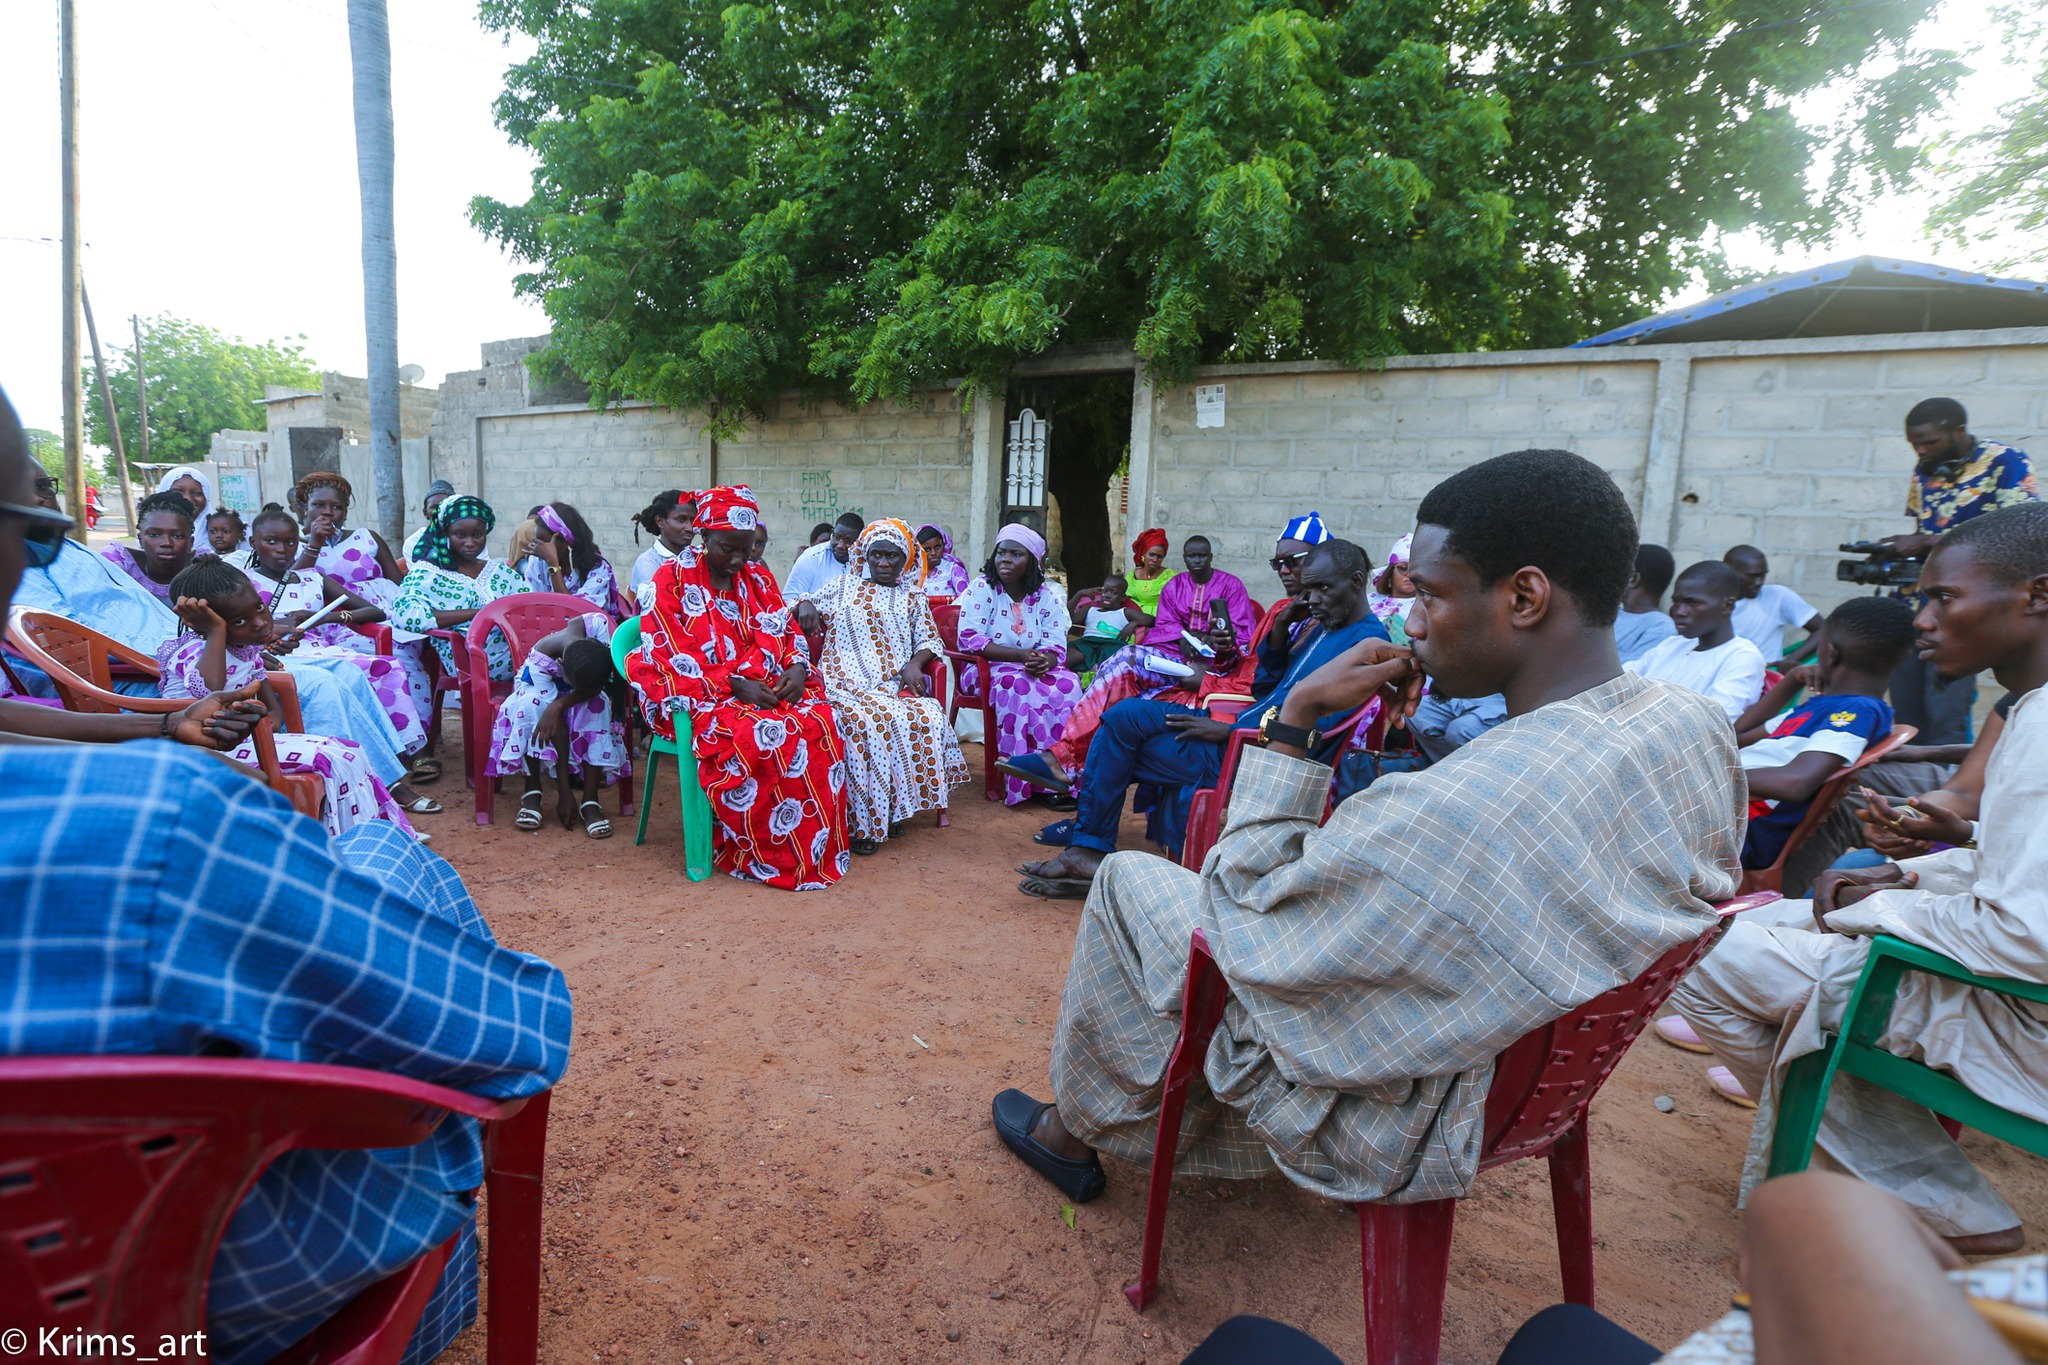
{"x":1273,"y":730}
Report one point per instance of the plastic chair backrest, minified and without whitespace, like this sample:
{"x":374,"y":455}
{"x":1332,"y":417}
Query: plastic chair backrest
{"x":526,"y":618}
{"x":946,"y":616}
{"x":1822,"y":806}
{"x":118,"y":1174}
{"x":625,"y":640}
{"x":80,"y":653}
{"x":1544,"y":1082}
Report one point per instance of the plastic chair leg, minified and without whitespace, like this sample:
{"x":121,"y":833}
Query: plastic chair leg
{"x":1405,"y":1255}
{"x":647,"y":802}
{"x":991,"y":780}
{"x":1800,"y":1106}
{"x":518,"y":1157}
{"x":1201,"y":1010}
{"x":1571,"y":1202}
{"x":626,"y":792}
{"x":696,"y":811}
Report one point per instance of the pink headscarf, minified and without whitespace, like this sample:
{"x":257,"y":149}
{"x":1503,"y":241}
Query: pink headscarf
{"x":1026,"y":537}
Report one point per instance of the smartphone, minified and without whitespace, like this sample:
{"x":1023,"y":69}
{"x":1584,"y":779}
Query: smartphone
{"x":1219,"y":614}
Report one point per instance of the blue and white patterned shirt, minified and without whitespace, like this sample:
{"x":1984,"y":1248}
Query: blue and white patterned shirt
{"x":153,"y":901}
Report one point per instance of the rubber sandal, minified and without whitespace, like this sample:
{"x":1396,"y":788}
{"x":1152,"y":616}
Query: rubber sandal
{"x":530,"y":818}
{"x":1055,"y":834}
{"x":1015,"y":1114}
{"x":1055,"y":888}
{"x":1034,"y":769}
{"x":1673,"y":1029}
{"x":866,"y":848}
{"x":425,"y":770}
{"x":1728,"y":1088}
{"x":425,"y":805}
{"x":600,"y":828}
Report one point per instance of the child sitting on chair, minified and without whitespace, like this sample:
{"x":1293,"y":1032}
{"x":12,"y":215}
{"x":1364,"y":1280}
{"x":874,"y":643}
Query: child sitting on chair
{"x":228,"y":537}
{"x":560,"y":715}
{"x":221,"y":649}
{"x":1865,"y":639}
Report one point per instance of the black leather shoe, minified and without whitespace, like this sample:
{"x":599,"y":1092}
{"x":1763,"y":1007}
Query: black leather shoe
{"x":1015,"y":1114}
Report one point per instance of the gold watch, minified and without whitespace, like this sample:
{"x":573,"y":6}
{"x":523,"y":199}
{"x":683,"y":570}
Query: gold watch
{"x":1274,"y":730}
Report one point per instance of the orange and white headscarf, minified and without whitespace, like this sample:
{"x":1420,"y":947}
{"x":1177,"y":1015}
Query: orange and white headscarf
{"x":897,"y":533}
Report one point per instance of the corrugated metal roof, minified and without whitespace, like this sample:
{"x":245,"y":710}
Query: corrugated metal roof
{"x":1862,"y":296}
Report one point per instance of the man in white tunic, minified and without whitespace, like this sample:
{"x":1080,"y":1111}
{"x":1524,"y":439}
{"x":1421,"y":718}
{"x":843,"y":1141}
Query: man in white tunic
{"x":819,"y":565}
{"x":1377,"y":965}
{"x":1775,"y":988}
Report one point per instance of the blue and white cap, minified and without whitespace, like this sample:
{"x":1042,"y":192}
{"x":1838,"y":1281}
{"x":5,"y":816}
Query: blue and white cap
{"x":1309,"y":530}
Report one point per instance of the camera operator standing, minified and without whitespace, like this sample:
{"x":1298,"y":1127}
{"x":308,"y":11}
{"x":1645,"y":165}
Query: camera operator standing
{"x":1957,"y":478}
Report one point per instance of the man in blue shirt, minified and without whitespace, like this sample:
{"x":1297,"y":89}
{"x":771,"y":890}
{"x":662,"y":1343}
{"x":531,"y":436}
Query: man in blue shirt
{"x":1642,"y":622}
{"x":1864,"y":640}
{"x":154,"y":900}
{"x":1181,"y":749}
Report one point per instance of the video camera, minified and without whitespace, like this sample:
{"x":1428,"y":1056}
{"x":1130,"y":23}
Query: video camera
{"x":1881,"y":565}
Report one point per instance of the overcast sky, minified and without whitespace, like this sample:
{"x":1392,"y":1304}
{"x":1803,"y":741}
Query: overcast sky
{"x":218,"y":155}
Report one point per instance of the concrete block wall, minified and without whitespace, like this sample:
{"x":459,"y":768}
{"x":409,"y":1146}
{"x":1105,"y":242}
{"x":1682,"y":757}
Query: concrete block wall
{"x":607,"y":463}
{"x":1798,"y":453}
{"x":1363,"y":448}
{"x":809,"y":461}
{"x":1794,"y":446}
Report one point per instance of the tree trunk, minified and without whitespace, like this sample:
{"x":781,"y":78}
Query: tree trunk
{"x":369,"y":41}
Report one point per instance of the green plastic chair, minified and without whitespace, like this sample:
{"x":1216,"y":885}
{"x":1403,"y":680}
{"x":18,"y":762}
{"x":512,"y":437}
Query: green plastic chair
{"x":696,"y":805}
{"x":1855,"y":1050}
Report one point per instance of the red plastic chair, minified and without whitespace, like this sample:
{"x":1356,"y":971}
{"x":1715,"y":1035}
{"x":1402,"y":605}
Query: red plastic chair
{"x":1206,"y":807}
{"x":525,"y":618}
{"x":378,"y":634}
{"x":980,"y":697}
{"x":1823,"y":805}
{"x":118,"y":1176}
{"x":80,"y":663}
{"x":1542,"y":1087}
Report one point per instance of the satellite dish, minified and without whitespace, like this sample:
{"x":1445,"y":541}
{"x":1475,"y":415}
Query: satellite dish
{"x":411,"y":374}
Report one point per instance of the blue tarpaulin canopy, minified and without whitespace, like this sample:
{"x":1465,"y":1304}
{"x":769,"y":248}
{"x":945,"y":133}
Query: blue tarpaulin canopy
{"x":1863,"y":296}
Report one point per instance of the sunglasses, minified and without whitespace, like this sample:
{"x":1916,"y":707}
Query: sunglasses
{"x":1294,"y":560}
{"x":43,"y":538}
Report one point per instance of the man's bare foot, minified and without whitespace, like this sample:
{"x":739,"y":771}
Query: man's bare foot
{"x":1051,"y":1134}
{"x":1073,"y":864}
{"x":2002,"y":1243}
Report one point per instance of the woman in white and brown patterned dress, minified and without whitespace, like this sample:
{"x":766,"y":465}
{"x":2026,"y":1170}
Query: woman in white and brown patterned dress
{"x":901,"y":755}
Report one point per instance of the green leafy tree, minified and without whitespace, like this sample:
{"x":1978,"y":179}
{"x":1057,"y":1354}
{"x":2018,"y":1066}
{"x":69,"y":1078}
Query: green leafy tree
{"x":199,"y":382}
{"x":2000,"y":174}
{"x":48,"y":448}
{"x":734,"y":199}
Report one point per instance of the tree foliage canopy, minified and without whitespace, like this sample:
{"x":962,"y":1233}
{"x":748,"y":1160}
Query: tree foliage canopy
{"x":199,"y":382}
{"x":737,"y":198}
{"x":2002,"y":171}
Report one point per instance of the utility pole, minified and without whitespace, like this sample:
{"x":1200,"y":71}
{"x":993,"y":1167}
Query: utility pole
{"x":73,"y":268}
{"x":141,"y":388}
{"x":99,"y":366}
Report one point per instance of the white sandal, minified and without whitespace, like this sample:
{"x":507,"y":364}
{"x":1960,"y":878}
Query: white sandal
{"x":601,"y":827}
{"x":530,"y":817}
{"x":425,"y":805}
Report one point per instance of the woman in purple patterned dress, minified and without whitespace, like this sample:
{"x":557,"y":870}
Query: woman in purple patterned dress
{"x":163,"y":544}
{"x":357,"y":558}
{"x":566,"y":559}
{"x":1011,"y":616}
{"x":292,"y":595}
{"x":564,"y":689}
{"x":947,"y":575}
{"x":221,"y":648}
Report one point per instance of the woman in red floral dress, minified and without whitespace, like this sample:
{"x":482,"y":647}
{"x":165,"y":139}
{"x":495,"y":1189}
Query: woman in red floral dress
{"x":720,"y":643}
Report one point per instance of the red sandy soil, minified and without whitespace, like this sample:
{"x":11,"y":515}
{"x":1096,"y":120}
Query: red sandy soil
{"x":773,"y":1144}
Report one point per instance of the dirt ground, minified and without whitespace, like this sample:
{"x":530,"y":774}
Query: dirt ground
{"x":772,"y":1143}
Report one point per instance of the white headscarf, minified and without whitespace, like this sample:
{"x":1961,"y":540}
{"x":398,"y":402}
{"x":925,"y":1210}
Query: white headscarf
{"x":200,"y":544}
